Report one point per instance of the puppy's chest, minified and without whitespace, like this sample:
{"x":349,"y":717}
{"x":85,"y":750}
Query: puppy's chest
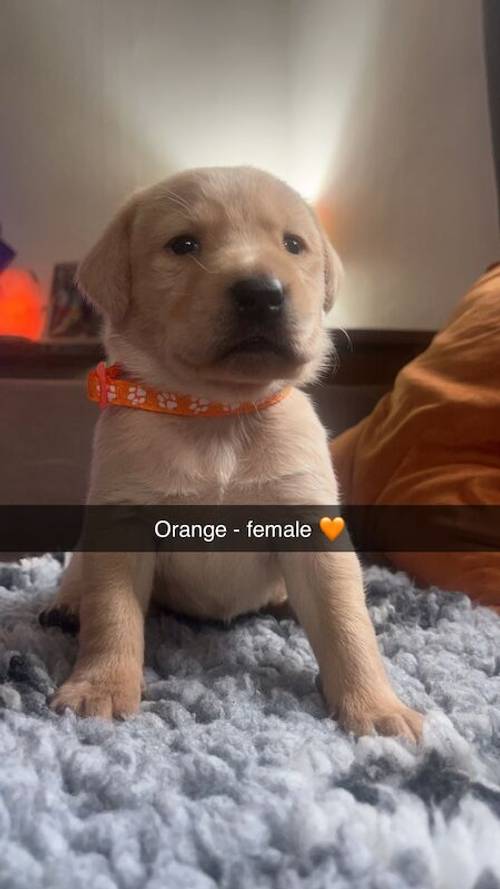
{"x":213,"y":467}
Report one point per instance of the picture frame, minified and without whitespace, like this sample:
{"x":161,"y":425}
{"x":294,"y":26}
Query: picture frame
{"x":70,"y":317}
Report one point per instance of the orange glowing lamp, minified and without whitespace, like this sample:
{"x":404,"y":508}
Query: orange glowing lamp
{"x":21,"y":305}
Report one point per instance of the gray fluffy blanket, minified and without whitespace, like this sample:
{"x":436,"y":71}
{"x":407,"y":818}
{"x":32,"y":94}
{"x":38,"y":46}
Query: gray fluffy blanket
{"x":232,"y":775}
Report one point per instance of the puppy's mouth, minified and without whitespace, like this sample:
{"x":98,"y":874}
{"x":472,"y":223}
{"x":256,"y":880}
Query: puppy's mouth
{"x":259,"y":345}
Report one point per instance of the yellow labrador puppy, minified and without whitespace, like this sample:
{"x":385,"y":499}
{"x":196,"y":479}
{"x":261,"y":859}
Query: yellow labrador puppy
{"x":215,"y":283}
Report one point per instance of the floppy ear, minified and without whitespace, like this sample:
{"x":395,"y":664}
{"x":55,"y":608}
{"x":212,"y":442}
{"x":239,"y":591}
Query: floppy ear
{"x":104,"y":275}
{"x":334,"y":271}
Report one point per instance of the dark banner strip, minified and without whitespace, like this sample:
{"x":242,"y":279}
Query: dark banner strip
{"x":370,"y":529}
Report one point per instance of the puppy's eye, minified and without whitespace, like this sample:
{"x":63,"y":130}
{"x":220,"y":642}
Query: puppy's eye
{"x":293,"y":243}
{"x":182,"y":244}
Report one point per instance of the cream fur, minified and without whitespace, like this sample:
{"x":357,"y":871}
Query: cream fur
{"x":165,"y":321}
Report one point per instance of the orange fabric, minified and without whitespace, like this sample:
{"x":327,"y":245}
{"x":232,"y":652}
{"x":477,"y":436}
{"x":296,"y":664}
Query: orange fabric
{"x":105,"y":386}
{"x":435,"y":439}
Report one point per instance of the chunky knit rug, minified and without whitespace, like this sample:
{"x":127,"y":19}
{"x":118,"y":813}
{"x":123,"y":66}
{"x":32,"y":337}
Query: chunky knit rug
{"x":231,"y":776}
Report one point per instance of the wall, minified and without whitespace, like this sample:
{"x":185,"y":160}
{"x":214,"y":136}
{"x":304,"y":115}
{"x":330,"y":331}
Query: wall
{"x":390,"y":125}
{"x":101,"y":96}
{"x":377,"y":106}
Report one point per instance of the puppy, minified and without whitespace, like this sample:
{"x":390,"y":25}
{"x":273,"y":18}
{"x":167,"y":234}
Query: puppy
{"x":215,"y":283}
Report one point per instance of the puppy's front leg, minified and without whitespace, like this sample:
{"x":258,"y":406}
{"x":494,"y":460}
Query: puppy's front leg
{"x":326,"y":591}
{"x":106,"y":679}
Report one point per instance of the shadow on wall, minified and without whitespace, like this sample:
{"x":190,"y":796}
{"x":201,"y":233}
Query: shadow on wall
{"x":491,"y":23}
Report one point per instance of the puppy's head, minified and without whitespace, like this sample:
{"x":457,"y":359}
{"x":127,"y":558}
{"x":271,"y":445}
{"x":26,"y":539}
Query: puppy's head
{"x":216,"y":280}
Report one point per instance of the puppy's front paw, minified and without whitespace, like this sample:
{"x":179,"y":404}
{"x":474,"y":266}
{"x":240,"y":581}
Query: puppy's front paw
{"x":107,"y":696}
{"x":387,"y":717}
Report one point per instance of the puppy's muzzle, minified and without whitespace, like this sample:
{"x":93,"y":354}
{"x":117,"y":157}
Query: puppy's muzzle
{"x":259,"y":299}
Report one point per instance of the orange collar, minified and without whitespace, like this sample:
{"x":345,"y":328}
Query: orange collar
{"x":105,"y":386}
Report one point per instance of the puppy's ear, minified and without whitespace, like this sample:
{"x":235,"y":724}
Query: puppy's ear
{"x":104,"y":275}
{"x":334,"y":271}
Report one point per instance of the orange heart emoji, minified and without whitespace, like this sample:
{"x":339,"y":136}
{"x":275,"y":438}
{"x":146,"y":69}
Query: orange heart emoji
{"x":332,"y":527}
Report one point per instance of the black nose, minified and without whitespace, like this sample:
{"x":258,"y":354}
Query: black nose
{"x":258,"y":298}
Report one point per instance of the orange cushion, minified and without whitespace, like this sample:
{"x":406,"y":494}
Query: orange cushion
{"x":435,"y":439}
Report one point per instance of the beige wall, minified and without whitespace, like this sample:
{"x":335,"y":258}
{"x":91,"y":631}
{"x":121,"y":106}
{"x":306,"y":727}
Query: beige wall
{"x":98,"y":97}
{"x":390,"y":123}
{"x":379,"y":105}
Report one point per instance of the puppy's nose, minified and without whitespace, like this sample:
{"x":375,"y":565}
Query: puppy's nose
{"x":258,"y":298}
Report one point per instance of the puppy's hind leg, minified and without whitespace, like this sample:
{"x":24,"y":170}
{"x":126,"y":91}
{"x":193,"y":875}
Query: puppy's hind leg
{"x":64,"y":610}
